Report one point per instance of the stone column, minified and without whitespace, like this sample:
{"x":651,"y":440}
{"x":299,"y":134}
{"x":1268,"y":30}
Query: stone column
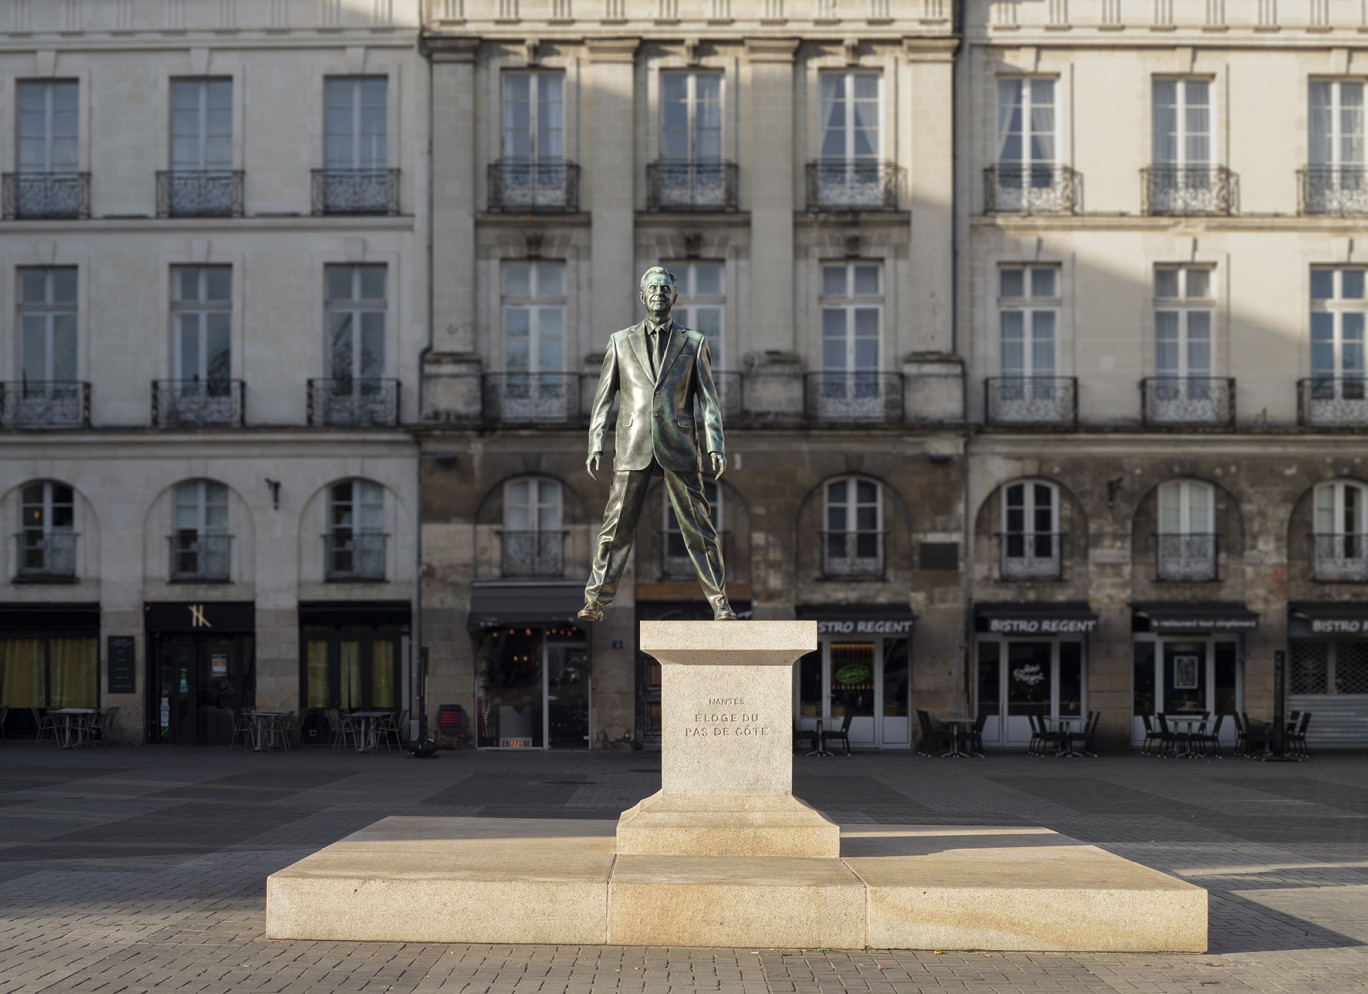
{"x":610,"y":184}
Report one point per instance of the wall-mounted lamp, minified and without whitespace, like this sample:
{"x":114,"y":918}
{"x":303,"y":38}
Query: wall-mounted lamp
{"x":275,"y":493}
{"x":1112,"y":487}
{"x":445,"y":459}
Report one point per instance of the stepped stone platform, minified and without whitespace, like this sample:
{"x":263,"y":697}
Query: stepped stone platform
{"x":725,"y":855}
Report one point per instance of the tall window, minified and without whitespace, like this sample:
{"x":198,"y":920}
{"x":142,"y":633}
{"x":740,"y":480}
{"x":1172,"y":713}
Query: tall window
{"x":1186,"y":541}
{"x":691,"y":117}
{"x":200,"y":543}
{"x":702,"y":300}
{"x":1026,"y":131}
{"x":202,"y":316}
{"x":356,"y":531}
{"x":1183,"y":306}
{"x":1338,"y":306}
{"x":853,"y":540}
{"x":47,"y":152}
{"x":676,"y":560}
{"x":47,"y":537}
{"x":355,"y":156}
{"x":1336,"y":126}
{"x":1341,"y":523}
{"x":536,"y":385}
{"x":848,"y":170}
{"x":1028,"y":311}
{"x":532,"y":530}
{"x":533,"y":171}
{"x":201,"y":180}
{"x":852,"y":316}
{"x":47,"y":330}
{"x":356,"y":326}
{"x":1030,"y":532}
{"x":1182,"y":124}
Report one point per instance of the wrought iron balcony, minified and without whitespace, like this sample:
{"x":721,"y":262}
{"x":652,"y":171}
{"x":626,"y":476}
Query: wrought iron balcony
{"x":852,"y":185}
{"x":1341,"y":556}
{"x":852,"y":554}
{"x":532,"y":553}
{"x":519,"y":185}
{"x":1030,"y":555}
{"x":1031,"y":400}
{"x":532,"y":397}
{"x":355,"y":191}
{"x":199,"y":193}
{"x":1187,"y":400}
{"x":48,"y":196}
{"x":691,"y":186}
{"x":1188,"y":557}
{"x":45,"y":404}
{"x":1340,"y":190}
{"x":1333,"y":402}
{"x":45,"y":557}
{"x":1189,"y":190}
{"x":199,"y":557}
{"x":354,"y":557}
{"x":850,"y":396}
{"x":197,"y":403}
{"x":354,"y":403}
{"x":1017,"y":189}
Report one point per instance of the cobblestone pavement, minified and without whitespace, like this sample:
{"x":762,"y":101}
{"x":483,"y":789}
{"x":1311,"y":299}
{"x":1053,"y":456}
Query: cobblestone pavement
{"x":133,"y":869}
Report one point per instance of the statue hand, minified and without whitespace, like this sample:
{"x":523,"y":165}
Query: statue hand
{"x":592,"y":464}
{"x":719,"y":464}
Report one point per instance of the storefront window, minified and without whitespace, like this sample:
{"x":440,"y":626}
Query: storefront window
{"x":1070,"y":679}
{"x":351,"y":669}
{"x":49,"y":673}
{"x":1223,"y":700}
{"x":1028,"y":679}
{"x":989,"y":697}
{"x":534,"y":688}
{"x":810,"y":685}
{"x":852,"y":679}
{"x":1143,"y":676}
{"x":895,"y":679}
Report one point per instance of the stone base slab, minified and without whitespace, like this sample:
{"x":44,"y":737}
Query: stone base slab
{"x":726,"y":825}
{"x":894,"y":886}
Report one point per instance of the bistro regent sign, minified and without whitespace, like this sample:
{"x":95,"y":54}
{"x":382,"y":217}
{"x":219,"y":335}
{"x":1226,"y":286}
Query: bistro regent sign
{"x":872,"y":627}
{"x":1042,"y":626}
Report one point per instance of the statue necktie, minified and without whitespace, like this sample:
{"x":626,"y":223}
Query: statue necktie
{"x":658,"y":352}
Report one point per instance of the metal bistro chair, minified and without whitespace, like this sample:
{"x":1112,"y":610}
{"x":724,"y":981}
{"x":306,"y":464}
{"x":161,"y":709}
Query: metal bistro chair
{"x":1086,"y":736}
{"x":1296,"y":737}
{"x":1041,"y":737}
{"x":1248,"y":738}
{"x":973,"y":738}
{"x":804,"y":739}
{"x":47,"y":725}
{"x":1209,"y":741}
{"x":343,"y":730}
{"x":103,"y":725}
{"x":1169,"y":740}
{"x":931,"y":736}
{"x":387,"y":729}
{"x":841,"y":735}
{"x":244,"y":730}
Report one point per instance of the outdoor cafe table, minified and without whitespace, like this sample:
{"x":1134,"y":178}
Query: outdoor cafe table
{"x":261,"y":722}
{"x":370,"y":720}
{"x":1189,"y":726}
{"x":955,"y":752}
{"x":72,"y":718}
{"x":1066,"y":748}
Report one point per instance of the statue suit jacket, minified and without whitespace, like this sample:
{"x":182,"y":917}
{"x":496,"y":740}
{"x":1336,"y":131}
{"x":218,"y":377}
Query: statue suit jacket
{"x":656,"y":417}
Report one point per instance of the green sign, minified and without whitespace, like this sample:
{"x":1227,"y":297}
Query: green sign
{"x":852,"y":673}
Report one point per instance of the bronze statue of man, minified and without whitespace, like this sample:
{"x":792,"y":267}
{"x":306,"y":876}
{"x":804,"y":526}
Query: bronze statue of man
{"x":658,"y":368}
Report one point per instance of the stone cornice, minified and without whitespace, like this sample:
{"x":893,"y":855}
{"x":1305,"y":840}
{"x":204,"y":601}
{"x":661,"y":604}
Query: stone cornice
{"x":449,"y":48}
{"x":782,"y":50}
{"x":612,"y":50}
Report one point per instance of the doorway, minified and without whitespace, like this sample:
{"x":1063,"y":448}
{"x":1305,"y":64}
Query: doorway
{"x":1022,"y":678}
{"x":867,"y":679}
{"x":1183,"y":677}
{"x":534,"y":689}
{"x":199,"y":684}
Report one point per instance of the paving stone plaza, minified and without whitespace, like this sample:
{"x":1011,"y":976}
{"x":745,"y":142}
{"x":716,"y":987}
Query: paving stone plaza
{"x":133,"y":869}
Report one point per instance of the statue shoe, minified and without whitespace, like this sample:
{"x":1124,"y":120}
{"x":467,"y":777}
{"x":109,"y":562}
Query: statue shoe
{"x":724,"y":614}
{"x":590,"y":612}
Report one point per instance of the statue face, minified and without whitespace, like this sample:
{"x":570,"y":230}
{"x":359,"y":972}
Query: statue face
{"x":658,"y":295}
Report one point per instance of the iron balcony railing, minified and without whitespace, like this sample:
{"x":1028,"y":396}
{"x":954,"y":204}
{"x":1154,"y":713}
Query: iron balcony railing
{"x":852,"y":185}
{"x":532,"y":397}
{"x":198,"y":403}
{"x":45,"y":557}
{"x":1187,"y":400}
{"x":852,"y":554}
{"x":851,"y":396}
{"x":1186,"y":557}
{"x":1341,"y":190}
{"x":355,"y":191}
{"x":200,"y":193}
{"x":1341,"y":556}
{"x":1189,"y":190}
{"x":45,"y":404}
{"x":519,"y":185}
{"x":199,"y":557}
{"x":354,"y":557}
{"x":532,"y":553}
{"x":48,"y":196}
{"x":1028,"y":189}
{"x":691,"y":186}
{"x":675,"y":563}
{"x":1332,"y":402}
{"x":1030,"y":555}
{"x":1031,"y":400}
{"x":354,"y":403}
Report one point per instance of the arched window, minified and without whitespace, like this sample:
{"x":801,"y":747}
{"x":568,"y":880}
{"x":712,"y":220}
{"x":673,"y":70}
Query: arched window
{"x":1186,"y":542}
{"x":852,"y":541}
{"x":356,"y":531}
{"x":200,"y":541}
{"x":47,"y":536}
{"x":676,"y":556}
{"x":1341,"y":521}
{"x":1030,"y":531}
{"x":533,"y":536}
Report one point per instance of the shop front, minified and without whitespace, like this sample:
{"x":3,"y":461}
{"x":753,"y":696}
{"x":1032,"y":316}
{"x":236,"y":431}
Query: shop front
{"x":1030,"y":661}
{"x":1327,"y":655}
{"x":201,"y":669}
{"x":1187,"y":660}
{"x":352,"y":658}
{"x":532,"y":672}
{"x":861,"y":671}
{"x":49,"y":658}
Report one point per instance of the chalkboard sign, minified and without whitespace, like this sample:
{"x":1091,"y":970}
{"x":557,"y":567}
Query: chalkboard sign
{"x":123,"y":677}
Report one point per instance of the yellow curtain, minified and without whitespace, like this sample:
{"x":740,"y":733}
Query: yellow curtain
{"x":351,"y":675}
{"x":74,"y":671}
{"x":21,"y":673}
{"x":382,"y":674}
{"x":318,"y":675}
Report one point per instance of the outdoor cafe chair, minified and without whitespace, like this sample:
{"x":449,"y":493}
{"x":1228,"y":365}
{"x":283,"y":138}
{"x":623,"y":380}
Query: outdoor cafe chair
{"x":1151,"y":736}
{"x":387,"y":729}
{"x":343,"y":730}
{"x":1249,"y":738}
{"x":804,"y":739}
{"x":1086,"y":736}
{"x":244,"y":730}
{"x":47,"y":725}
{"x":102,"y":722}
{"x":841,"y":735}
{"x":1209,"y":742}
{"x":1296,"y":736}
{"x":973,"y":738}
{"x":1042,"y":737}
{"x":1169,"y":740}
{"x":931,"y":736}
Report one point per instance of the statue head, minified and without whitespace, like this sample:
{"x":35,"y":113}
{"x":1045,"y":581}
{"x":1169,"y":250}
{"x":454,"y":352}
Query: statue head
{"x":658,"y":292}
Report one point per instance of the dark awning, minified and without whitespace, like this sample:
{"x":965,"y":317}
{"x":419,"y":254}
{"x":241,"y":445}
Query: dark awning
{"x":858,"y":619}
{"x":1306,"y":620}
{"x":1196,"y":617}
{"x":344,"y":613}
{"x":39,"y":618}
{"x":1035,"y":618}
{"x":495,"y":604}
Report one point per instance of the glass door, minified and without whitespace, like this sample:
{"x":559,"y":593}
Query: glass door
{"x":1022,"y":677}
{"x":1184,"y":677}
{"x":567,"y":696}
{"x":200,"y":685}
{"x":869,"y":680}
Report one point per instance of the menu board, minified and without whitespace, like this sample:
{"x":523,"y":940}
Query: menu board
{"x":123,"y":676}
